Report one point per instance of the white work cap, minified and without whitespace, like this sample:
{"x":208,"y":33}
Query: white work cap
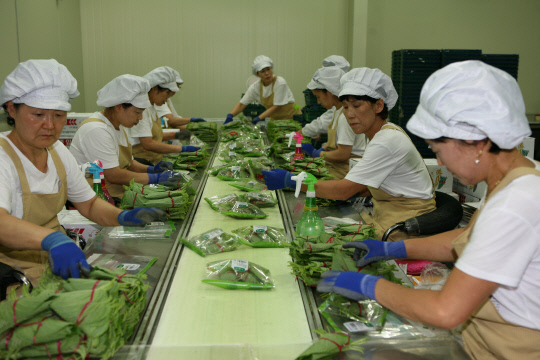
{"x":179,"y":80}
{"x":327,"y":78}
{"x":125,"y":89}
{"x":163,"y":76}
{"x":471,"y":100}
{"x":260,"y":63}
{"x":337,"y":60}
{"x":43,"y":84}
{"x":369,"y":82}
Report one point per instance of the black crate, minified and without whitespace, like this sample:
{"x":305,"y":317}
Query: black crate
{"x":254,"y":110}
{"x":310,"y":99}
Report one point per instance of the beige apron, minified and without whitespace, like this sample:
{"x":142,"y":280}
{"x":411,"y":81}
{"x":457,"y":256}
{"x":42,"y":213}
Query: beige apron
{"x":38,"y":209}
{"x":285,"y":112}
{"x":487,"y":335}
{"x":124,"y":162}
{"x":338,"y":169}
{"x":389,"y":210}
{"x":157,"y":135}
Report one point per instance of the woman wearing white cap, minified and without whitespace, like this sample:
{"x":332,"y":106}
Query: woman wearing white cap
{"x":271,"y":91}
{"x":103,"y":136}
{"x":473,"y":117}
{"x":38,"y":174}
{"x":343,"y":144}
{"x":168,"y":113}
{"x":147,"y":136}
{"x":391,"y":169}
{"x":319,"y":125}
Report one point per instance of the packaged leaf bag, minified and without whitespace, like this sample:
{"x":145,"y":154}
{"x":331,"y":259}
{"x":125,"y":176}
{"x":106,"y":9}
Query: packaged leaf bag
{"x":260,"y":199}
{"x":249,"y":185}
{"x":238,"y":274}
{"x":262,"y":236}
{"x":214,"y":241}
{"x":243,"y":210}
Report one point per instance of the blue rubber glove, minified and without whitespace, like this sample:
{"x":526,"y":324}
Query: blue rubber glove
{"x":278,"y":179}
{"x":256,"y":120}
{"x":351,"y":284}
{"x":190,"y":148}
{"x":311,"y":150}
{"x":65,"y":257}
{"x":141,"y":216}
{"x":228,"y":119}
{"x":196,"y":120}
{"x":376,"y":250}
{"x":159,"y":167}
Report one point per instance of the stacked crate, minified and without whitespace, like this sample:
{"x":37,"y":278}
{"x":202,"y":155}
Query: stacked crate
{"x":506,"y":62}
{"x":312,"y":110}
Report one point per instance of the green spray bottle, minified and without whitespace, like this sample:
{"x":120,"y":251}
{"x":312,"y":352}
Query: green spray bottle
{"x":310,"y":223}
{"x":98,"y":189}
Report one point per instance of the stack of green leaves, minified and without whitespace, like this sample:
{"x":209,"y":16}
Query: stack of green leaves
{"x":74,"y":318}
{"x":189,"y":160}
{"x":262,"y":236}
{"x":231,"y":135}
{"x":331,"y":344}
{"x":249,"y":185}
{"x":314,"y":166}
{"x":205,"y":131}
{"x":211,"y":242}
{"x":281,"y":126}
{"x":238,"y":274}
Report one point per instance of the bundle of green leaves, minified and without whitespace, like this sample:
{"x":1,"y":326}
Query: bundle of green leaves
{"x":314,"y":166}
{"x":331,"y":344}
{"x":281,"y":126}
{"x":205,"y":131}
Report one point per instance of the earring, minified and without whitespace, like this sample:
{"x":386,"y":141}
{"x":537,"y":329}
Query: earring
{"x":477,"y":161}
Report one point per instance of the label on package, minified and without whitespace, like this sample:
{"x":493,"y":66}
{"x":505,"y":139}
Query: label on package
{"x":232,"y":146}
{"x":357,"y":326}
{"x":232,"y":154}
{"x":240,"y":265}
{"x":213,"y":234}
{"x":128,"y":267}
{"x":241,"y":204}
{"x":235,"y":169}
{"x":259,"y":228}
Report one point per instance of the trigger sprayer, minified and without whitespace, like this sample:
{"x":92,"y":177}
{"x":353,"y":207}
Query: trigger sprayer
{"x":98,"y":189}
{"x":310,"y":223}
{"x":108,"y":196}
{"x":298,"y":154}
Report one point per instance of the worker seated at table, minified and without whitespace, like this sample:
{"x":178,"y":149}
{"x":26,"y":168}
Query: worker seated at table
{"x":168,"y":115}
{"x":391,"y":169}
{"x":38,"y":174}
{"x":472,"y":115}
{"x":315,"y":128}
{"x":343,"y":144}
{"x":103,"y":136}
{"x":147,"y":136}
{"x":271,"y":91}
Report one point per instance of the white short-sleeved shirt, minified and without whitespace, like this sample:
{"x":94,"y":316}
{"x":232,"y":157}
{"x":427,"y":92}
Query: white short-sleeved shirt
{"x":282,"y":94}
{"x":504,"y":248}
{"x":319,"y":125}
{"x":346,"y":136}
{"x":166,"y":109}
{"x":392,"y":163}
{"x":144,"y":127}
{"x":98,"y":141}
{"x":40,"y":183}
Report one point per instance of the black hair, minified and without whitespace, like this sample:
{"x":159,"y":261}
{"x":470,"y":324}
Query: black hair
{"x":124,"y":105}
{"x":10,"y":120}
{"x":494,"y":148}
{"x":383,"y":114}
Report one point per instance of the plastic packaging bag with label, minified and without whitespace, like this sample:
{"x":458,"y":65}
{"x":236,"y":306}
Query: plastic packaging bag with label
{"x":262,"y":236}
{"x":214,"y":241}
{"x":238,"y":274}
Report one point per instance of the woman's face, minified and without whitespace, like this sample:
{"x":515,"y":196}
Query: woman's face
{"x":129,"y":117}
{"x":266,"y":75}
{"x":37,"y":128}
{"x":324,"y":98}
{"x":361,"y":115}
{"x":459,"y":158}
{"x":158,"y":97}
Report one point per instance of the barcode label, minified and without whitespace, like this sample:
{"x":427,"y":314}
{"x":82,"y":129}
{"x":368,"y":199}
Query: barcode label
{"x":357,"y":326}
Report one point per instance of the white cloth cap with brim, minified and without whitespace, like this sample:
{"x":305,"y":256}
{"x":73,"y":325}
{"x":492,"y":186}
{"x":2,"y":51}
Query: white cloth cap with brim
{"x":327,"y":78}
{"x":125,"y":89}
{"x":42,"y":84}
{"x":369,"y":82}
{"x":163,"y":76}
{"x":179,"y":80}
{"x":471,"y":100}
{"x":260,"y":63}
{"x":337,"y":60}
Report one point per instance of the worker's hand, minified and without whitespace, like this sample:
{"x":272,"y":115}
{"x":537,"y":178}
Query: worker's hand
{"x":256,"y":120}
{"x":278,"y":179}
{"x":190,"y":148}
{"x":183,"y":135}
{"x":228,"y":119}
{"x":311,"y":150}
{"x":376,"y":250}
{"x":351,"y":284}
{"x":159,"y":167}
{"x":196,"y":120}
{"x":65,"y":257}
{"x":141,"y":216}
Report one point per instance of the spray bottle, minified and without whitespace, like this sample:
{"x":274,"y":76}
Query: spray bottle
{"x":103,"y":185}
{"x":98,"y":189}
{"x":298,"y":153}
{"x":310,"y":223}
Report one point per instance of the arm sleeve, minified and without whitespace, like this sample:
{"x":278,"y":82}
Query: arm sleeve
{"x":282,"y":93}
{"x":78,"y":188}
{"x":319,"y":125}
{"x":143,"y":128}
{"x":6,"y":184}
{"x":163,"y":110}
{"x":252,"y":94}
{"x":100,"y":144}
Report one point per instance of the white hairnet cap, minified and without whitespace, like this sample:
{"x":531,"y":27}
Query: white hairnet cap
{"x":471,"y":100}
{"x":43,"y":84}
{"x":260,"y":63}
{"x":337,"y":60}
{"x":370,"y":82}
{"x":179,"y":80}
{"x":128,"y":89}
{"x":163,"y":76}
{"x":327,"y":78}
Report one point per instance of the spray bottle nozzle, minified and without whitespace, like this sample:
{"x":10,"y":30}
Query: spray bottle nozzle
{"x":305,"y":178}
{"x":95,"y":169}
{"x":297,"y":136}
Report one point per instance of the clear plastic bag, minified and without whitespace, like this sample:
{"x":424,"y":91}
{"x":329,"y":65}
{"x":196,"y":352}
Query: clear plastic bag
{"x":433,"y":276}
{"x":227,"y":156}
{"x":249,"y":185}
{"x":153,"y":230}
{"x":233,"y":173}
{"x":214,"y":241}
{"x":352,"y":316}
{"x":243,"y":210}
{"x":133,"y":264}
{"x":238,"y":274}
{"x":260,"y":199}
{"x":219,"y":203}
{"x":262,"y":236}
